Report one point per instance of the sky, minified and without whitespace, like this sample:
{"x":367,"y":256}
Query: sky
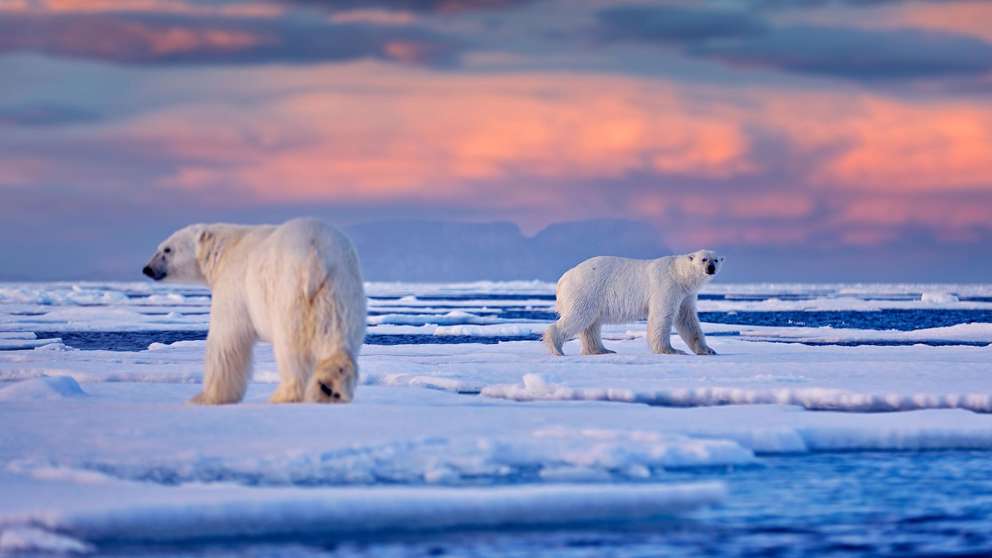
{"x":810,"y":139}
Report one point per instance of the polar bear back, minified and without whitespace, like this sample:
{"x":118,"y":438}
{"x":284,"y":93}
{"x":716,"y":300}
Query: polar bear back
{"x":295,"y":266}
{"x":614,"y":289}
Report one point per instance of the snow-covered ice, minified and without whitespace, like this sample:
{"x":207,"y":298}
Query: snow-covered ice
{"x":469,"y":435}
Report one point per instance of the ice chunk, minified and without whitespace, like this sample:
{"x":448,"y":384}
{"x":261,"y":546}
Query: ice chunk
{"x":24,"y":539}
{"x":938,"y":297}
{"x":188,"y":344}
{"x":166,"y":298}
{"x":50,"y":388}
{"x":533,"y":388}
{"x":453,"y":317}
{"x":56,"y":346}
{"x":497,"y":330}
{"x":139,"y":513}
{"x":13,"y":344}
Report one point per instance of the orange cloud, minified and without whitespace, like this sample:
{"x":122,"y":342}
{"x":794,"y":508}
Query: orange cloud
{"x":946,"y":213}
{"x":405,"y":133}
{"x":919,"y":147}
{"x":965,"y":17}
{"x":396,"y":131}
{"x":894,"y":145}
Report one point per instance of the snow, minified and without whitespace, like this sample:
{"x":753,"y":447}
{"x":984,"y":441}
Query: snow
{"x":449,"y":436}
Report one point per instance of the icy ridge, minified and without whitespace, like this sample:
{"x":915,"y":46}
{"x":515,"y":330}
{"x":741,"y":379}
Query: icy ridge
{"x":533,"y":387}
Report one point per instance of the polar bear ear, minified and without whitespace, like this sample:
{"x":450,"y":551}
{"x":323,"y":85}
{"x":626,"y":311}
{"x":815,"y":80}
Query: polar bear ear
{"x":691,"y":257}
{"x":206,"y":251}
{"x":204,"y":236}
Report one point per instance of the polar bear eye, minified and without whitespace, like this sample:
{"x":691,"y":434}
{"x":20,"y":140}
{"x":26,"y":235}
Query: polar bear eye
{"x":167,"y":250}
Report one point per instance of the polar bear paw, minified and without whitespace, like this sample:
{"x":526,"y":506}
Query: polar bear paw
{"x":600,"y":351}
{"x":203,"y":398}
{"x":333,"y":380}
{"x":287,"y":393}
{"x":706,"y":351}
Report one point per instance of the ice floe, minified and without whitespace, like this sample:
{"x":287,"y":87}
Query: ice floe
{"x":139,"y":513}
{"x":443,"y":435}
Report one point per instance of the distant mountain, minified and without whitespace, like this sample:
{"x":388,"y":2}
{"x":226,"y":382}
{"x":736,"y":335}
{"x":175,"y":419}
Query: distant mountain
{"x":455,"y":251}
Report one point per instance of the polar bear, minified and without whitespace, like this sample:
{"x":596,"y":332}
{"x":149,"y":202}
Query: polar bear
{"x":296,"y":285}
{"x":610,"y":290}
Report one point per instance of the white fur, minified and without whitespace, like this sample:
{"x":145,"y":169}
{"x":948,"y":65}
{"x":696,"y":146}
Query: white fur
{"x":296,"y":285}
{"x":611,"y":290}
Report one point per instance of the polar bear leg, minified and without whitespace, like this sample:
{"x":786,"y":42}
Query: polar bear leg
{"x":687,"y":324}
{"x":293,"y":372}
{"x":228,"y":361}
{"x":564,"y":329}
{"x":553,"y":340}
{"x":592,"y":341}
{"x":660,"y":317}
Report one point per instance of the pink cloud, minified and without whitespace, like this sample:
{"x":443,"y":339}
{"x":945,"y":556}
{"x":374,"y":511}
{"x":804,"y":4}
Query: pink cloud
{"x":374,"y":16}
{"x":20,"y":171}
{"x":241,"y":9}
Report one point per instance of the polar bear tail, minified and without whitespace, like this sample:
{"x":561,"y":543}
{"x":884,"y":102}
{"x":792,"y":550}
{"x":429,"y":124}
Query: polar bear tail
{"x":334,"y":379}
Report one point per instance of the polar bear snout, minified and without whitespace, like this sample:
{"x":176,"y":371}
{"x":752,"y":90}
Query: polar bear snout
{"x":155,"y":273}
{"x":706,"y":262}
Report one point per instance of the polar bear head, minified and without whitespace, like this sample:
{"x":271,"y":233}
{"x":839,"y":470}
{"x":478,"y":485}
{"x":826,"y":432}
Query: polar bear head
{"x":704,"y":264}
{"x":177,"y":258}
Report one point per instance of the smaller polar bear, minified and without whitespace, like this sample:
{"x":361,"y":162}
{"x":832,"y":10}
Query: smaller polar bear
{"x":295,"y":285}
{"x":611,"y":290}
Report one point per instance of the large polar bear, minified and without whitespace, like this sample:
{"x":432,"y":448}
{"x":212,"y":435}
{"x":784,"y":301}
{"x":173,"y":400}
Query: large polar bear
{"x":296,"y":285}
{"x":611,"y":290}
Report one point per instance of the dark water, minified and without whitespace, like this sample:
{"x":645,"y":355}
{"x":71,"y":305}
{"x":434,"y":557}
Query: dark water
{"x":903,"y":320}
{"x":139,"y":340}
{"x":835,"y":504}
